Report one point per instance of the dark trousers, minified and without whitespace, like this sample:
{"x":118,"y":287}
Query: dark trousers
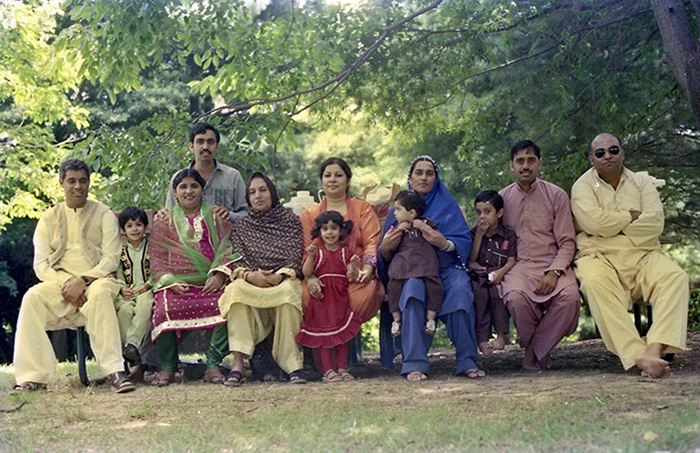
{"x":490,"y":311}
{"x":433,"y":293}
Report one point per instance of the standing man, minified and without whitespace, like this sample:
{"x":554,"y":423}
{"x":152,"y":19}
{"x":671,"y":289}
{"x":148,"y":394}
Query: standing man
{"x":540,"y":291}
{"x":225,"y":189}
{"x":619,"y":218}
{"x":76,"y":253}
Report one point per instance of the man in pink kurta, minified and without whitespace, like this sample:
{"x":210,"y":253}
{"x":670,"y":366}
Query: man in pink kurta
{"x":540,"y":292}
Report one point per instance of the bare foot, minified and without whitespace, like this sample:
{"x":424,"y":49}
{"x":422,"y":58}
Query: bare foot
{"x":546,"y":362}
{"x":485,"y":348}
{"x":499,"y":343}
{"x":530,"y":361}
{"x":474,"y":373}
{"x":652,"y":367}
{"x":415,"y":376}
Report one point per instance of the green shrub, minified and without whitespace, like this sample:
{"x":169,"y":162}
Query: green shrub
{"x":694,"y":311}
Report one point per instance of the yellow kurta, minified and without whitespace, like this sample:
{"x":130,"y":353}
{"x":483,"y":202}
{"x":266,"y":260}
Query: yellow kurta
{"x":70,"y":243}
{"x":620,"y":261}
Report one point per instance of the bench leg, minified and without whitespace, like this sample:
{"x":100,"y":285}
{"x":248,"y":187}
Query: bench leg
{"x":82,"y":355}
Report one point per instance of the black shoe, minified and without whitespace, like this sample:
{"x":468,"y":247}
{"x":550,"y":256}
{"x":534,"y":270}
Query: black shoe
{"x":131,"y":354}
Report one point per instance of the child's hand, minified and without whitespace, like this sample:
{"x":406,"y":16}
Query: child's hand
{"x":476,"y":267}
{"x":142,"y":289}
{"x":483,"y":226}
{"x":496,"y":277}
{"x":421,"y":225}
{"x":127,"y":293}
{"x":312,"y":249}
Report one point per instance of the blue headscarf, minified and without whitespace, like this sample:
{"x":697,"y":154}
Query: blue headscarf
{"x":444,"y":211}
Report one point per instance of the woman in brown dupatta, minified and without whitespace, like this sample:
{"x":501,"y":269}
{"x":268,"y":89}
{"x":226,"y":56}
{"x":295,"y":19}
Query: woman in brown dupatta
{"x":265,"y":292}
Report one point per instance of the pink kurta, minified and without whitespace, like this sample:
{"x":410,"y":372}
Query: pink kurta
{"x":542,"y":221}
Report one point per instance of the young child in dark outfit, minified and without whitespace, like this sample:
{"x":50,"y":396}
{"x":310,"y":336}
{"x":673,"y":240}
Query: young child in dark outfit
{"x":492,"y":256}
{"x":414,"y":258}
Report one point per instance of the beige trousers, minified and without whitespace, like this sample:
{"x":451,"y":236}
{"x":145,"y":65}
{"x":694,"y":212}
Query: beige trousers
{"x":134,"y":317}
{"x":248,"y":326}
{"x":611,"y":286}
{"x":43,"y":308}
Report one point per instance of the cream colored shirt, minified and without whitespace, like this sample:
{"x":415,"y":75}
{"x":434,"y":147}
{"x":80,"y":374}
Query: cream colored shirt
{"x":602,"y":214}
{"x":104,"y":231}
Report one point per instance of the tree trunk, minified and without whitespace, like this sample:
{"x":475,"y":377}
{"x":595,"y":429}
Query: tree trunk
{"x":680,"y":47}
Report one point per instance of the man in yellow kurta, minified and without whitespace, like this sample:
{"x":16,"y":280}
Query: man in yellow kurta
{"x":619,"y":218}
{"x":76,"y":252}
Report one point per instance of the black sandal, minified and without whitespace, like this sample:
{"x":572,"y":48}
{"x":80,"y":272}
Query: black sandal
{"x":297,"y":377}
{"x":234,"y":379}
{"x":121,"y":382}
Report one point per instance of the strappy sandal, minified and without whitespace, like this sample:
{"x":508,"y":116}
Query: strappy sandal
{"x":214,"y":376}
{"x":164,"y":379}
{"x":28,"y":387}
{"x":430,"y":327}
{"x":331,"y":376}
{"x":345,"y":374}
{"x":396,"y":328}
{"x":234,"y":379}
{"x":121,"y":382}
{"x":297,"y":377}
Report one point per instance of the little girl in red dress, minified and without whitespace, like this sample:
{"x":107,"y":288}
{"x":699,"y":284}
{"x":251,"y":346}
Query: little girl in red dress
{"x":329,"y":323}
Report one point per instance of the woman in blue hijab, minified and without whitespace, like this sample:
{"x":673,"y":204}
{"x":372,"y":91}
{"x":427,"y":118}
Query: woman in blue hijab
{"x":453,"y":243}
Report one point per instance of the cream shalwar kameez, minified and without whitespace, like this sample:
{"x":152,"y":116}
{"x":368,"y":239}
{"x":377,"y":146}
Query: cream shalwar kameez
{"x":70,"y":243}
{"x":619,"y":262}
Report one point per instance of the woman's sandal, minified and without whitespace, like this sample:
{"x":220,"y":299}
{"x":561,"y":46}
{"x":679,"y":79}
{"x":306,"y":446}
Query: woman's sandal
{"x":234,"y":379}
{"x":345,"y":374}
{"x":121,"y":382}
{"x":297,"y":377}
{"x":331,"y":376}
{"x":163,"y":379}
{"x":430,"y":327}
{"x":214,"y":376}
{"x":28,"y":387}
{"x":396,"y":328}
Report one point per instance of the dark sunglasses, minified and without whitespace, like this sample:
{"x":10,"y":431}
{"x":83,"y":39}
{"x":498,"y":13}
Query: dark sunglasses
{"x":600,"y":152}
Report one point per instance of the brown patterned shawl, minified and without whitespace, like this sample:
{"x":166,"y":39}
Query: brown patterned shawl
{"x":268,"y":240}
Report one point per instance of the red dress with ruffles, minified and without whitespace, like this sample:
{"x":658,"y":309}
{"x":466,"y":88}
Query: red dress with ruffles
{"x":330,"y":322}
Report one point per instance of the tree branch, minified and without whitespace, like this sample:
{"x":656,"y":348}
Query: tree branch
{"x":332,"y":84}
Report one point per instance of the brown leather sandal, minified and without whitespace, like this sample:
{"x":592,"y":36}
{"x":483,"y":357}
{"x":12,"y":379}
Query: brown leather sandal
{"x":121,"y":382}
{"x":164,"y":379}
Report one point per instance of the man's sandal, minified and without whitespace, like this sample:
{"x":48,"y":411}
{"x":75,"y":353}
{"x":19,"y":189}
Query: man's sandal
{"x":214,"y":376}
{"x":430,"y":327}
{"x":234,"y":379}
{"x":28,"y":387}
{"x":297,"y":377}
{"x":331,"y":376}
{"x":396,"y":328}
{"x":164,"y":379}
{"x":345,"y":374}
{"x":121,"y":382}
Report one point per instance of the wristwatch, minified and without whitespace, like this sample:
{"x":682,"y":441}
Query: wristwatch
{"x":558,"y":272}
{"x":86,"y":280}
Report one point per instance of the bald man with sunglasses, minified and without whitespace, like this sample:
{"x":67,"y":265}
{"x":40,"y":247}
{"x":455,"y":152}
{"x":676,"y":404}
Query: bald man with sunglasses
{"x":619,"y":218}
